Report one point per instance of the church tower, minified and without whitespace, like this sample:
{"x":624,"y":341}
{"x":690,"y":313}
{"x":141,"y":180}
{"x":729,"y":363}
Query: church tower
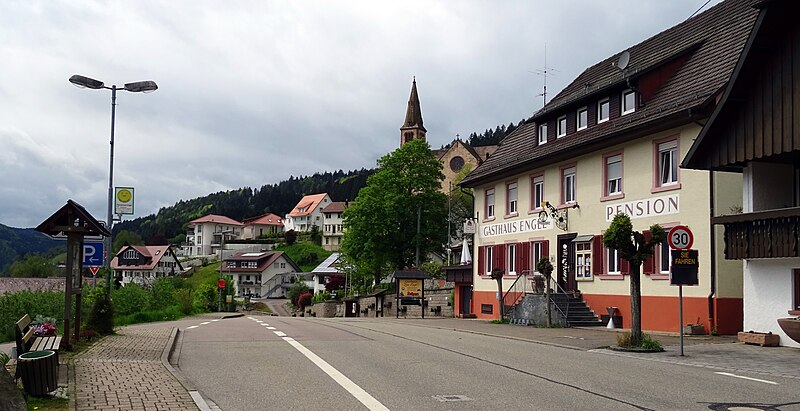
{"x":412,"y":127}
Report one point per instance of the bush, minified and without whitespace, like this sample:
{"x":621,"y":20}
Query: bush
{"x":162,"y":292}
{"x":14,"y":305}
{"x":130,"y":299}
{"x":167,"y":314}
{"x":290,"y":237}
{"x":647,"y":342}
{"x":335,"y":282}
{"x":183,"y":297}
{"x":101,"y":318}
{"x":304,"y":300}
{"x":206,"y":296}
{"x":295,"y":290}
{"x":321,"y":297}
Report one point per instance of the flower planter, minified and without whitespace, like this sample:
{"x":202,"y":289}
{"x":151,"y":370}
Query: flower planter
{"x":791,"y":326}
{"x":694,"y":329}
{"x":762,"y":339}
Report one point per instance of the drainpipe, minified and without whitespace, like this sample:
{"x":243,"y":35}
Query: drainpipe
{"x":712,"y":254}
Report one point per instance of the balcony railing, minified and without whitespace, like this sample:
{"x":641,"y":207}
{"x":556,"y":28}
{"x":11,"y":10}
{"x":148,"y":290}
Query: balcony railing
{"x":762,"y":234}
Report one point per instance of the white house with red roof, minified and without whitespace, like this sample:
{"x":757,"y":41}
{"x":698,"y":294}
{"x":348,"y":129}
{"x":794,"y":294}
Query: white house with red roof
{"x":262,"y":225}
{"x":205,"y":235}
{"x":263,"y":274}
{"x":332,"y":225}
{"x":307,"y":213}
{"x":144,"y":264}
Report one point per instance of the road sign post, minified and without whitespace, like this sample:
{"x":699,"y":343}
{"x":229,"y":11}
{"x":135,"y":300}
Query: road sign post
{"x":683,"y":270}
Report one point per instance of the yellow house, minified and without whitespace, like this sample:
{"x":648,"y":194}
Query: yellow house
{"x":610,"y":143}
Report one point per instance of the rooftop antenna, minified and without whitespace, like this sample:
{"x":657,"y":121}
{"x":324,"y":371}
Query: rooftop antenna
{"x":543,"y":72}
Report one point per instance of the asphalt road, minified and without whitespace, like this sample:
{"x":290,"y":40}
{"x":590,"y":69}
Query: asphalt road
{"x":355,"y":364}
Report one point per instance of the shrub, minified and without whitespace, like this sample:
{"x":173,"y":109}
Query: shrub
{"x":130,"y":299}
{"x":304,"y":300}
{"x":183,"y":297}
{"x":101,"y":318}
{"x":14,"y":305}
{"x":206,"y":296}
{"x":321,"y":297}
{"x":335,"y":282}
{"x":290,"y":237}
{"x":647,"y":342}
{"x":296,"y":289}
{"x":162,"y":293}
{"x":167,"y":314}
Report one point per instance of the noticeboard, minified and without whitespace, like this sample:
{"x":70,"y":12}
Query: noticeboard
{"x":683,"y":270}
{"x":410,"y":288}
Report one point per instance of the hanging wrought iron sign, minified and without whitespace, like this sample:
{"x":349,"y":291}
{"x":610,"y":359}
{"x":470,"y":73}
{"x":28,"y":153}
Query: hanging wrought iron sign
{"x":559,"y":217}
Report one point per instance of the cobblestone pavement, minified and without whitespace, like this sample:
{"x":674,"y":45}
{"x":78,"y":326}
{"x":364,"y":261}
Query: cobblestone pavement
{"x":124,"y":372}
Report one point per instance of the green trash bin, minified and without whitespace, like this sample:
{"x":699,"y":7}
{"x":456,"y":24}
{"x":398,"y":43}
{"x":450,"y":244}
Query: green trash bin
{"x":39,"y":372}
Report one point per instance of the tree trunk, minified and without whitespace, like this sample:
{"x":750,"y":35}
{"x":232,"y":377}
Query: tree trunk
{"x":636,"y":305}
{"x":500,"y":299}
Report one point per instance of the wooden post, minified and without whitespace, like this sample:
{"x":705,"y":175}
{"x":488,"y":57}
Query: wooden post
{"x":74,"y":250}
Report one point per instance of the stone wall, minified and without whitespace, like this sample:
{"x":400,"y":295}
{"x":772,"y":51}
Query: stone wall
{"x":327,"y":309}
{"x":532,"y":310}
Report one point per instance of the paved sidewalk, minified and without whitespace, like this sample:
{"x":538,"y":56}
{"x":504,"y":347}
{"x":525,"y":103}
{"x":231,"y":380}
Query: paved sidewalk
{"x":125,"y":372}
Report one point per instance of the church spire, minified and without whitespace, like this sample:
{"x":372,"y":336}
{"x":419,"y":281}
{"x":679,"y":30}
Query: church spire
{"x":412,"y":126}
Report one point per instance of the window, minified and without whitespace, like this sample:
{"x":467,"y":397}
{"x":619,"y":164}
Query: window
{"x":489,"y":256}
{"x":668,"y":163}
{"x":665,"y":257}
{"x":490,"y":203}
{"x":562,"y":126}
{"x":230,"y":264}
{"x":568,"y":185}
{"x":582,"y":118}
{"x":511,"y":259}
{"x":511,"y":195}
{"x":542,"y":133}
{"x":537,"y":192}
{"x":283,"y":265}
{"x":537,"y":252}
{"x":628,"y":101}
{"x":613,"y":174}
{"x":583,"y":260}
{"x":614,"y":261}
{"x":129,"y":255}
{"x":603,"y":111}
{"x":457,"y":163}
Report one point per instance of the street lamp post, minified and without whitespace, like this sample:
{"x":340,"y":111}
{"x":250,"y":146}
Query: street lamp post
{"x":137,"y":87}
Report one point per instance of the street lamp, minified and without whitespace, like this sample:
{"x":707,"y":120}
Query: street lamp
{"x":137,"y":87}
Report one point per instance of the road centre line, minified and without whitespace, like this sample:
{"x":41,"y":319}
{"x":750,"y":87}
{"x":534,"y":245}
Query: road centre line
{"x":280,"y":333}
{"x":270,"y":328}
{"x":215,"y":320}
{"x":205,"y":323}
{"x":727,"y":374}
{"x":193,"y":326}
{"x":364,"y":397}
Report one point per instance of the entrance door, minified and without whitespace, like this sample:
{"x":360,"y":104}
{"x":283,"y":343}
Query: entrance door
{"x":466,"y":299}
{"x":566,"y":262}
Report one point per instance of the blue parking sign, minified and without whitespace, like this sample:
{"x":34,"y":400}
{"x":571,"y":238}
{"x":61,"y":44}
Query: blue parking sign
{"x":92,"y":254}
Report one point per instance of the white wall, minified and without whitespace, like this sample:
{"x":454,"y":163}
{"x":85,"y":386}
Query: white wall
{"x":768,"y":295}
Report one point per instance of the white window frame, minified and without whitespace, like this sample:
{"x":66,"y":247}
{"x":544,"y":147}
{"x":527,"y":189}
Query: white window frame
{"x":537,"y":191}
{"x":511,"y":258}
{"x":623,"y":103}
{"x":664,"y":250}
{"x":542,"y":133}
{"x":561,"y":130}
{"x":585,"y":113}
{"x":537,"y":250}
{"x":568,"y":186}
{"x":130,"y":255}
{"x":617,"y":180}
{"x":488,"y":256}
{"x":607,"y":103}
{"x":616,"y":268}
{"x":583,"y":260}
{"x":512,"y":194}
{"x":670,"y":147}
{"x":489,"y":204}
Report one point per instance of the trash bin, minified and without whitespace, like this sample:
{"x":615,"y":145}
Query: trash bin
{"x":39,"y":372}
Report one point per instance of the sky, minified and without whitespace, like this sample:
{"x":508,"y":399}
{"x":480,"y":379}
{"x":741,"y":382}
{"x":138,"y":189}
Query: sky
{"x":252,"y":92}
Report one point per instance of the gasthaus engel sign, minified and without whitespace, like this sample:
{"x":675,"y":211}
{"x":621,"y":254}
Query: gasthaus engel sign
{"x":518,"y":226}
{"x":649,"y":207}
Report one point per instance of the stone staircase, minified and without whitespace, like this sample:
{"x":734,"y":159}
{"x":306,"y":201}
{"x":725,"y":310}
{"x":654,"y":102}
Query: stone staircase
{"x":578,"y":313}
{"x":530,"y":310}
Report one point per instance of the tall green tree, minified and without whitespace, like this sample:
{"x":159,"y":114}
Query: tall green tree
{"x":123,"y":238}
{"x":381,"y":225}
{"x":33,"y":266}
{"x":632,"y":246}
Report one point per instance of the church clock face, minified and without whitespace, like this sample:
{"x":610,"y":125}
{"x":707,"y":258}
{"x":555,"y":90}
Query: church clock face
{"x":456,"y":163}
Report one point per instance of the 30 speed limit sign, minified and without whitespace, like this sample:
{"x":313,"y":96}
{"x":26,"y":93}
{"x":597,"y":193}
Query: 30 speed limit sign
{"x":680,"y":238}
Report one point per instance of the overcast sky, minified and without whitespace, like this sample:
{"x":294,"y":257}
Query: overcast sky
{"x":251,"y":92}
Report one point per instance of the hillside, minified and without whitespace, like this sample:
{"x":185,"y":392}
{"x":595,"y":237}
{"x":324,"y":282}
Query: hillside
{"x":16,"y":242}
{"x":169,"y":223}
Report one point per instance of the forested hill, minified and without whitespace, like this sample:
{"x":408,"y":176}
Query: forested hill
{"x":492,"y":137}
{"x":17,"y":242}
{"x":169,"y":223}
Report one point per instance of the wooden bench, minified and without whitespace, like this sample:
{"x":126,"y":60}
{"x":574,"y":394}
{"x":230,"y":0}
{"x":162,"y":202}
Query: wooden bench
{"x":27,"y":341}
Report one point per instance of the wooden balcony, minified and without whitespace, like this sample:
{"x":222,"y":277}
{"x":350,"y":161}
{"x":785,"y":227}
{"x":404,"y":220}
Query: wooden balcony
{"x":762,"y":234}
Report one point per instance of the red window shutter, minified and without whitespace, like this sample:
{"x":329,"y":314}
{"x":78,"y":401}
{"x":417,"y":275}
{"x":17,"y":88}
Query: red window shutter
{"x":482,"y":260}
{"x":523,"y":257}
{"x":500,"y":256}
{"x":545,"y":250}
{"x":597,"y":255}
{"x":648,"y":265}
{"x":625,"y":266}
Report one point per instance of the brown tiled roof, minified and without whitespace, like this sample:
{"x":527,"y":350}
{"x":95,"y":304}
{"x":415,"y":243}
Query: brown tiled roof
{"x":153,"y":254}
{"x":265,"y":219}
{"x":309,"y":203}
{"x":335,"y":207}
{"x":213,"y":218}
{"x":265,"y":259}
{"x":712,"y":40}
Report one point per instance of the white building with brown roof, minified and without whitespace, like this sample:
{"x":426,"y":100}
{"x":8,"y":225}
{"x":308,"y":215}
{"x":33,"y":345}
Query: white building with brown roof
{"x":307,"y":213}
{"x":144,"y":264}
{"x":261,"y":274}
{"x":333,"y":225}
{"x":205,"y":235}
{"x":262,"y":225}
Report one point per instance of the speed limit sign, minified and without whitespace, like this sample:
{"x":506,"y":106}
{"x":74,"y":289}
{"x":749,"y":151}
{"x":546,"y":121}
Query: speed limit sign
{"x":680,"y":238}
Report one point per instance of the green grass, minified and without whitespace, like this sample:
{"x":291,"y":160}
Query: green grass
{"x":305,"y":254}
{"x":203,"y":274}
{"x":167,"y":314}
{"x":47,"y":403}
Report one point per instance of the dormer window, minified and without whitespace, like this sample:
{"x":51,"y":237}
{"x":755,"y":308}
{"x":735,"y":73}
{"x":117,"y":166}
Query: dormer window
{"x":582,"y":118}
{"x":542,"y":133}
{"x":628,"y":101}
{"x":130,"y":255}
{"x":562,"y":126}
{"x":603,"y":111}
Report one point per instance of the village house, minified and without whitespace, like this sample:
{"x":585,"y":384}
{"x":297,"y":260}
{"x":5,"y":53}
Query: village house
{"x":205,"y":235}
{"x":333,"y":225}
{"x":261,"y":274}
{"x":263,"y":225}
{"x":610,"y":143}
{"x":307,"y":213}
{"x":142,"y":264}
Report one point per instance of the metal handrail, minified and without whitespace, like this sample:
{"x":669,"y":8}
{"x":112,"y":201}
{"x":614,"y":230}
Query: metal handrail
{"x":563,"y":291}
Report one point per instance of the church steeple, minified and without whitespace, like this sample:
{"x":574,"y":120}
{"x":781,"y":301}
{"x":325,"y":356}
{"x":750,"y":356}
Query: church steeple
{"x":412,"y":127}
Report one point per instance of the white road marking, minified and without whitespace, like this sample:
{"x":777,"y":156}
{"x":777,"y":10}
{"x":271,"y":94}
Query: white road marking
{"x":214,"y":320}
{"x":205,"y":323}
{"x":280,"y":333}
{"x":194,"y":326}
{"x":259,"y":321}
{"x":369,"y":401}
{"x":727,"y":374}
{"x":270,"y":328}
{"x":251,"y":318}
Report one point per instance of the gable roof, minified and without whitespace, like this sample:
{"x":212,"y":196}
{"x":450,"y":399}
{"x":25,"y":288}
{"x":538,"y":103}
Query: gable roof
{"x":707,"y":47}
{"x":214,"y":218}
{"x":264,"y":259}
{"x":328,"y":266}
{"x":307,"y":204}
{"x":265,"y":219}
{"x":152,"y":253}
{"x":335,"y":207}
